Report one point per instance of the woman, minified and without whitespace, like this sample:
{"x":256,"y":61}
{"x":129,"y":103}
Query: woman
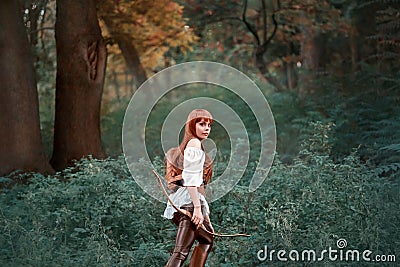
{"x":188,"y":170}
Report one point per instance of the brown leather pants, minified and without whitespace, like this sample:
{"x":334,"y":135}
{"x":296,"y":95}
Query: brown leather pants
{"x":186,"y":235}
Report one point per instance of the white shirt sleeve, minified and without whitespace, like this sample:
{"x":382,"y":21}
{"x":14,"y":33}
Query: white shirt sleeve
{"x":193,"y":162}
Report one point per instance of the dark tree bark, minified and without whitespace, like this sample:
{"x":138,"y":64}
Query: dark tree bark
{"x":311,"y":49}
{"x":81,"y":62}
{"x":290,"y":69}
{"x":353,"y":41}
{"x":20,"y":140}
{"x":263,"y":42}
{"x":131,"y":57}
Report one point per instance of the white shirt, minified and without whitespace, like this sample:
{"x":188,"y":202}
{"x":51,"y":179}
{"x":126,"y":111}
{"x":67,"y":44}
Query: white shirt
{"x":192,"y":175}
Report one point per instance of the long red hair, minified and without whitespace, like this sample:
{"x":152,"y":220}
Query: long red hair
{"x":174,"y":156}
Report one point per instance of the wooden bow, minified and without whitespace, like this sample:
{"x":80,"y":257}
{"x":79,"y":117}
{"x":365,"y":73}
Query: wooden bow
{"x":187,"y":213}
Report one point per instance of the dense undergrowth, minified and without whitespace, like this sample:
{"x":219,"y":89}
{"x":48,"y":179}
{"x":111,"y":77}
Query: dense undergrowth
{"x":336,"y":176}
{"x":96,"y":215}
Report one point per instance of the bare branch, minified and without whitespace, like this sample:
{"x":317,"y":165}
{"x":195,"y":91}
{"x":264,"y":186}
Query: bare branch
{"x":220,"y":19}
{"x":273,"y":32}
{"x":42,"y":29}
{"x":248,"y":25}
{"x":264,"y":14}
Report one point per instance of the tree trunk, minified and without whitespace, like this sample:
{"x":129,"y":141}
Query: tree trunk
{"x":311,"y":54}
{"x":131,"y":57}
{"x":262,"y":46}
{"x":290,"y":69}
{"x":129,"y":52}
{"x":81,"y":63}
{"x":20,"y":140}
{"x":353,"y":40}
{"x":263,"y":68}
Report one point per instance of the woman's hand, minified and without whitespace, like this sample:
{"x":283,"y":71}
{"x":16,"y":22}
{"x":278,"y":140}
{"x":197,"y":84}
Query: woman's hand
{"x":208,"y":221}
{"x":197,"y":217}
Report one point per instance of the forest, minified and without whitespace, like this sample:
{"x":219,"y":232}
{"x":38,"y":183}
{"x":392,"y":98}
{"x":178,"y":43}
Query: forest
{"x":329,"y":69}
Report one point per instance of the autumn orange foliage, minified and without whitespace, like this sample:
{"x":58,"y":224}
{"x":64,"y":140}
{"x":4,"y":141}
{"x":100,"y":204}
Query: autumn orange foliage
{"x":154,"y":27}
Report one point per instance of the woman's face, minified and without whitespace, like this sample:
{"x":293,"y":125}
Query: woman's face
{"x":203,"y":129}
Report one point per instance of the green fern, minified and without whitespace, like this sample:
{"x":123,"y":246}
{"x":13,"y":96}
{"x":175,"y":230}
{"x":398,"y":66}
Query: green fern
{"x":388,"y":36}
{"x":392,"y":147}
{"x":393,"y":167}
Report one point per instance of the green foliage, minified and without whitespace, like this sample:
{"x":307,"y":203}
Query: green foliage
{"x":95,"y":214}
{"x":310,"y":205}
{"x":388,"y":34}
{"x":111,"y":126}
{"x":114,"y":114}
{"x":293,"y":116}
{"x":94,"y":217}
{"x":368,"y":119}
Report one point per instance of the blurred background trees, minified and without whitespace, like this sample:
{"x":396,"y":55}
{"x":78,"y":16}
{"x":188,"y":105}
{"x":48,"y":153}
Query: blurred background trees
{"x":143,"y":32}
{"x":331,"y":60}
{"x":71,"y":122}
{"x":329,"y":69}
{"x":317,"y":60}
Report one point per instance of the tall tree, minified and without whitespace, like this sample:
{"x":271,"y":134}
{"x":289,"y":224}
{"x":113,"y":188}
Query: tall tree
{"x":144,"y":32}
{"x":20,"y":141}
{"x":128,"y":50}
{"x":81,"y":63}
{"x":283,"y":33}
